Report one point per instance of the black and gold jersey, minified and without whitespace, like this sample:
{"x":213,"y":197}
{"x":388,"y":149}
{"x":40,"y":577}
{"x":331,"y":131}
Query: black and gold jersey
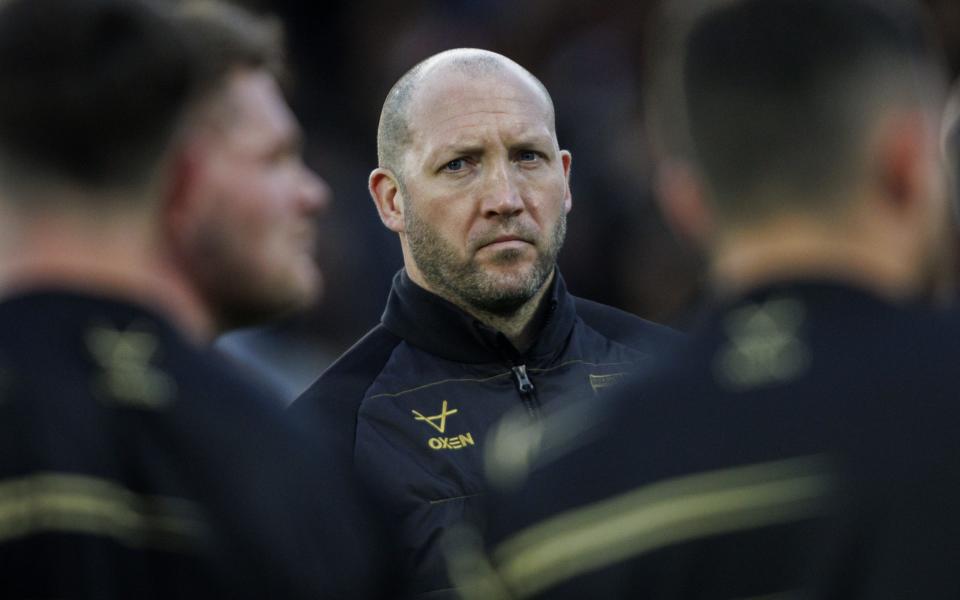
{"x":800,"y":443}
{"x":135,"y":464}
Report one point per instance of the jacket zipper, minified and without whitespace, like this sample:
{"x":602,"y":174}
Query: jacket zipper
{"x":528,"y":393}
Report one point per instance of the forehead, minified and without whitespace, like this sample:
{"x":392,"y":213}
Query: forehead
{"x":452,"y":107}
{"x":253,"y":106}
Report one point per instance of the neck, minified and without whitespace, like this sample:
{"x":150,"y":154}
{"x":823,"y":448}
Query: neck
{"x":521,"y":326}
{"x":107,"y":255}
{"x":795,"y":249}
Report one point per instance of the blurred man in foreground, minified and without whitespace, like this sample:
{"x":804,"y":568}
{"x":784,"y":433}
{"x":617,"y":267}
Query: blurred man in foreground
{"x":479,"y":321}
{"x":737,"y":470}
{"x":151,"y":194}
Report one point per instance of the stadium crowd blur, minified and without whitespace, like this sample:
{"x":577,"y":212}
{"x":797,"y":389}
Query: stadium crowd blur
{"x":347,"y":54}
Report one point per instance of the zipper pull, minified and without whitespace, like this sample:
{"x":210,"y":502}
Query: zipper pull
{"x":523,"y":381}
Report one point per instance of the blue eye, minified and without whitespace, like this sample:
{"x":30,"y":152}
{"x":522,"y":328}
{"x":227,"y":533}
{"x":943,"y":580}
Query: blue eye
{"x":527,"y":156}
{"x":454,"y":165}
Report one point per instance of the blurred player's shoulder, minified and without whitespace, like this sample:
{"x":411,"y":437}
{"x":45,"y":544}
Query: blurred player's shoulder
{"x":354,"y":370}
{"x":329,"y":406}
{"x":109,"y":393}
{"x":627,"y":328}
{"x":793,"y":387}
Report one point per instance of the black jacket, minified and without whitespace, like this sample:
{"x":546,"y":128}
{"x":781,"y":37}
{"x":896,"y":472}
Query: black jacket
{"x":134,"y":464}
{"x":414,"y":399}
{"x":804,"y":436}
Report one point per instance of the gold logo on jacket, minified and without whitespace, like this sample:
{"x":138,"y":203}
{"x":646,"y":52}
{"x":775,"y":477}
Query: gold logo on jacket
{"x":598,"y":382}
{"x":442,"y":417}
{"x":127,"y":375}
{"x":439,"y":422}
{"x":765,"y":345}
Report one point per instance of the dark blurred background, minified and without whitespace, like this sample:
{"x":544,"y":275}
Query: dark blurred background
{"x":347,"y":54}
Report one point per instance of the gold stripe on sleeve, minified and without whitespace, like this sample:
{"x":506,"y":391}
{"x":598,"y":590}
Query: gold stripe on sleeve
{"x":73,"y":503}
{"x":658,"y":515}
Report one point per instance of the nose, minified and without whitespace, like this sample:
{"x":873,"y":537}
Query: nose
{"x":314,"y":193}
{"x":501,"y":197}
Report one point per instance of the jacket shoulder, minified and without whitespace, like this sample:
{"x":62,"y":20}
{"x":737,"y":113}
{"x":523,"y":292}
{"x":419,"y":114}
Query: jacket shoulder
{"x":626,"y":328}
{"x":340,"y":388}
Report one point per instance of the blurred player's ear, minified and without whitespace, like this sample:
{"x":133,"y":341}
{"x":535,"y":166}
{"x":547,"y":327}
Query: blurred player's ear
{"x":386,"y":194}
{"x":180,"y":197}
{"x":912,"y":196}
{"x":682,"y":202}
{"x":904,"y":158}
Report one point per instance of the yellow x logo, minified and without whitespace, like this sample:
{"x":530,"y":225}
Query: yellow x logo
{"x":442,"y":417}
{"x":127,"y":373}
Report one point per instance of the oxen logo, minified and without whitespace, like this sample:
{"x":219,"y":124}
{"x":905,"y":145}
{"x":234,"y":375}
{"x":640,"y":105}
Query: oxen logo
{"x":442,"y":417}
{"x":439,"y":422}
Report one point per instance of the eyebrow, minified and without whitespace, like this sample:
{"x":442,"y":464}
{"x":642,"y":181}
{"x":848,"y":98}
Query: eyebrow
{"x":535,"y":140}
{"x":472,"y":149}
{"x":457,"y":149}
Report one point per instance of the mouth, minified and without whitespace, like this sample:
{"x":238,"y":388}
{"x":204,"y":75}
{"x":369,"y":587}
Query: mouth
{"x":506,"y":241}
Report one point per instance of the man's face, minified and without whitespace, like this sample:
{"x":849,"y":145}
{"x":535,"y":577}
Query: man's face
{"x":250,"y":230}
{"x":484,"y":188}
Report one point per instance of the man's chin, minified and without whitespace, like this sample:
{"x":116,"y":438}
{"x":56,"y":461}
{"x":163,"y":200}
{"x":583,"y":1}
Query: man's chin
{"x":272,"y":302}
{"x":313,"y":288}
{"x":510,"y":281}
{"x":298,"y":290}
{"x":505,"y":293}
{"x":511,"y":257}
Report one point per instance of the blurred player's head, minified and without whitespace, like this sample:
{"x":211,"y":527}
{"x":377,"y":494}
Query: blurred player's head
{"x":472,"y":179}
{"x":92,"y":93}
{"x":242,"y":216}
{"x":814,"y":116}
{"x":153,"y":136}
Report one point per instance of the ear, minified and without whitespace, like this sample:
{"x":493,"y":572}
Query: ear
{"x":179,"y":203}
{"x":385,"y":191}
{"x":904,"y":160}
{"x":682,"y":201}
{"x":566,"y":159}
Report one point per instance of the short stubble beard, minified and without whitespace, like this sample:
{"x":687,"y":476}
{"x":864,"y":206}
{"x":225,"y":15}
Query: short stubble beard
{"x":467,"y":283}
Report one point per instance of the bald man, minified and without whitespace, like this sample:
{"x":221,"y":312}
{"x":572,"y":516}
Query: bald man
{"x":479,"y":321}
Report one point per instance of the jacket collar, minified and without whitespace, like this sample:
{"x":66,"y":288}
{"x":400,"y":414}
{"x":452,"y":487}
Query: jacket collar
{"x":429,"y":322}
{"x":824,"y":300}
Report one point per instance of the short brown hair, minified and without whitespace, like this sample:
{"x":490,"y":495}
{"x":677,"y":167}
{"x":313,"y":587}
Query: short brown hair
{"x":229,"y":37}
{"x":92,"y":90}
